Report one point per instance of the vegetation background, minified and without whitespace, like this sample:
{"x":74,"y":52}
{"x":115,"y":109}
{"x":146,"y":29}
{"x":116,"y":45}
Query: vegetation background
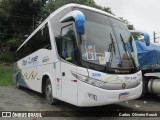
{"x":19,"y":18}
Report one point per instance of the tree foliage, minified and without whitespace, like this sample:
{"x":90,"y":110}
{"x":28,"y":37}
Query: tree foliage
{"x":17,"y":17}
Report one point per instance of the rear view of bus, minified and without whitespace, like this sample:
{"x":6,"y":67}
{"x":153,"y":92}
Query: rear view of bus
{"x":94,"y":59}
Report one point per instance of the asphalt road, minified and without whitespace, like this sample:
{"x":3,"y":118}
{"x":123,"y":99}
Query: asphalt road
{"x":13,"y":99}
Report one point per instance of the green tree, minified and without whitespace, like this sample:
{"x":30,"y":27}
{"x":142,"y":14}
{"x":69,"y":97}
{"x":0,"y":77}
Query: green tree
{"x":17,"y":17}
{"x":108,"y":9}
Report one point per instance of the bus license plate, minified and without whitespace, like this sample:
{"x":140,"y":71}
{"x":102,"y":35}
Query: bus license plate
{"x":123,"y":96}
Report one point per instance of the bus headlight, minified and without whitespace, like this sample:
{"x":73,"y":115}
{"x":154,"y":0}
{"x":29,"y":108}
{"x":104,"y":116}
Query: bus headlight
{"x":89,"y":80}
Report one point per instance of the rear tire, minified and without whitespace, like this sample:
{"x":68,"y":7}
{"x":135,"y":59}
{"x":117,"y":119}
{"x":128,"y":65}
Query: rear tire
{"x":48,"y":93}
{"x":17,"y":83}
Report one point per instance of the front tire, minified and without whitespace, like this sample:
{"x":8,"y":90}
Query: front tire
{"x":48,"y":93}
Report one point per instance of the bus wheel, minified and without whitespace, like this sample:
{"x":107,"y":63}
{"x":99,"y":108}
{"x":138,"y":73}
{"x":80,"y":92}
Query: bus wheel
{"x":17,"y":83}
{"x":48,"y":93}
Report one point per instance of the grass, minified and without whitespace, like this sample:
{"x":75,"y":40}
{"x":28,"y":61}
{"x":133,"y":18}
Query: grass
{"x":6,"y":75}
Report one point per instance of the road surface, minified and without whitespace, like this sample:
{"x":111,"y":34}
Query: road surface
{"x":13,"y":99}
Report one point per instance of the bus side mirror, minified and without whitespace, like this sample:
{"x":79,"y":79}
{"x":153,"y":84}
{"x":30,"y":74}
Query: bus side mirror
{"x":79,"y":19}
{"x":146,"y":38}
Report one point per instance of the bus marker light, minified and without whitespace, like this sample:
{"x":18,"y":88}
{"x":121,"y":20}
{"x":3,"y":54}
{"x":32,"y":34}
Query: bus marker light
{"x":74,"y":80}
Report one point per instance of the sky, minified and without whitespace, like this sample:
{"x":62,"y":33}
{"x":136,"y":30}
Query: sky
{"x":143,"y":14}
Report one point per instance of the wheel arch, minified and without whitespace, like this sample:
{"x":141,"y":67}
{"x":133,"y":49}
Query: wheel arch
{"x":45,"y":76}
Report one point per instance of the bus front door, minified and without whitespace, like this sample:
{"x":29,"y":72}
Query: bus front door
{"x":68,"y":55}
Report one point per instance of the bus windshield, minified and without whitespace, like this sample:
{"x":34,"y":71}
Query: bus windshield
{"x":107,"y":42}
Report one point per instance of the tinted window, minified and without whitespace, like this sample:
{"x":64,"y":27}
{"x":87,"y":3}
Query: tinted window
{"x":40,"y":40}
{"x":68,"y":44}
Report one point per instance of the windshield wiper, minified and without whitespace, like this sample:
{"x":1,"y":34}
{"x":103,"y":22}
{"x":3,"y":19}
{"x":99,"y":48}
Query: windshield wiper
{"x":127,"y":50}
{"x":111,"y":46}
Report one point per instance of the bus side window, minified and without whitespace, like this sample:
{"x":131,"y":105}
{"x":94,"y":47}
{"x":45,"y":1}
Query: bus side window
{"x":44,"y":37}
{"x":68,"y":44}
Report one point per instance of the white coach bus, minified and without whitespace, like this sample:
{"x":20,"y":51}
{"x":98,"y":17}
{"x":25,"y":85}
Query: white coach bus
{"x":80,"y":55}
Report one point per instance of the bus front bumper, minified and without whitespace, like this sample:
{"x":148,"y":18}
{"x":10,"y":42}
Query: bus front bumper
{"x":89,"y":95}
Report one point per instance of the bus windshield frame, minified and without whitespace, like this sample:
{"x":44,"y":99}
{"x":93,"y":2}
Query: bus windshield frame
{"x":107,"y":43}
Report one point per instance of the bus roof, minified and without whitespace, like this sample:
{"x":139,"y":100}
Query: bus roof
{"x":60,"y":9}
